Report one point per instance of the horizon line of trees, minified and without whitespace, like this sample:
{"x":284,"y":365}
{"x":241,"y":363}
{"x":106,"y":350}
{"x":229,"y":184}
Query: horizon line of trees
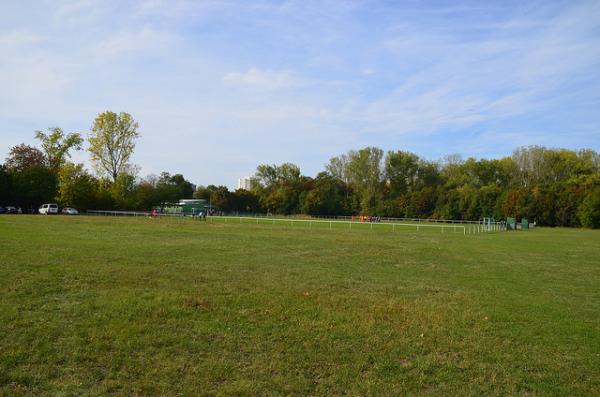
{"x":553,"y":187}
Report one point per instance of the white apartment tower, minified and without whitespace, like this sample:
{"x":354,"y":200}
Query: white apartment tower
{"x":244,"y":183}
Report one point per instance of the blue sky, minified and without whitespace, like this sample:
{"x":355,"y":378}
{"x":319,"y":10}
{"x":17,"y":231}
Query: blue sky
{"x":219,"y":87}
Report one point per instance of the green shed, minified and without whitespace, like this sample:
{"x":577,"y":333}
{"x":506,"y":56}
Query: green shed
{"x":511,"y":224}
{"x":184,"y":207}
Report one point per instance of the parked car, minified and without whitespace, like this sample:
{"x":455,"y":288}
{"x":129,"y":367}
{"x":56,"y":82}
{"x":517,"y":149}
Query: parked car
{"x":12,"y":210}
{"x":48,"y":209}
{"x":70,"y":211}
{"x":2,"y":210}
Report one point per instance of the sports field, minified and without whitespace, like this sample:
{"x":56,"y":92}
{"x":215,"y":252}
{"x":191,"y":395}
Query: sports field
{"x":123,"y":306}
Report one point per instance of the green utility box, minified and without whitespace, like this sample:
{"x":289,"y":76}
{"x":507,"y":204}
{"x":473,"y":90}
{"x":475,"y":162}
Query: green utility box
{"x":511,"y":224}
{"x":524,"y":224}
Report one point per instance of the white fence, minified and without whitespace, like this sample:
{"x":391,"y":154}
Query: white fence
{"x":353,"y":218}
{"x":471,"y":228}
{"x":454,"y":227}
{"x":118,"y":213}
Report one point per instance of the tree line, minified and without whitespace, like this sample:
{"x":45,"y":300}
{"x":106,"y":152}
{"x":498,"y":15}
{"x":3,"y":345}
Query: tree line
{"x":553,"y":187}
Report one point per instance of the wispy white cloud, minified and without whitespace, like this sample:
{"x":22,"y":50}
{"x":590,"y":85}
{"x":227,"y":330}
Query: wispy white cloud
{"x":233,"y":84}
{"x":126,"y":42}
{"x":262,"y":78}
{"x":17,"y":40}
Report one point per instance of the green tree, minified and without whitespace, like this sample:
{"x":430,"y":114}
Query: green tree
{"x":56,"y":145}
{"x":510,"y":203}
{"x":588,"y":162}
{"x":122,"y":191}
{"x":33,"y":187}
{"x":185,"y":187}
{"x":401,"y":171}
{"x":218,"y":196}
{"x":325,"y":198}
{"x":428,"y":175}
{"x":172,"y":188}
{"x":266,"y":175}
{"x":146,"y":194}
{"x":77,"y":188}
{"x":279,"y":187}
{"x":543,"y":208}
{"x":589,"y":210}
{"x":448,"y":205}
{"x":5,"y":185}
{"x":244,"y":201}
{"x":338,"y":168}
{"x":111,"y":143}
{"x":271,"y":175}
{"x":365,"y":175}
{"x":418,"y":204}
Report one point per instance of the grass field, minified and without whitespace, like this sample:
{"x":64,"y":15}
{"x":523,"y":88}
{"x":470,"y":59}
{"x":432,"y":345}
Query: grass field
{"x":115,"y":306}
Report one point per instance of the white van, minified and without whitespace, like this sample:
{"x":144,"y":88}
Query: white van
{"x":47,"y":209}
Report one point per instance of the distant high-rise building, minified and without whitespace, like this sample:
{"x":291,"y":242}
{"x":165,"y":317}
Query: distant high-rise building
{"x":244,"y":183}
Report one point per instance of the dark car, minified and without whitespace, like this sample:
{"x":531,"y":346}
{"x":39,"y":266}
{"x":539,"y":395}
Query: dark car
{"x":12,"y":210}
{"x":2,"y":210}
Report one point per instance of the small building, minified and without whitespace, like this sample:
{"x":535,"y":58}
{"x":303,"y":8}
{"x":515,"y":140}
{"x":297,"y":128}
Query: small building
{"x":184,"y":207}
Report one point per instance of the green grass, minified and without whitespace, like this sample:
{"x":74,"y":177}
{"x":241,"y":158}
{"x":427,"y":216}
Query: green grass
{"x":114,"y":306}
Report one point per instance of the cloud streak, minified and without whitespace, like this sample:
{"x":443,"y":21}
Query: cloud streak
{"x":262,"y":79}
{"x":233,"y":84}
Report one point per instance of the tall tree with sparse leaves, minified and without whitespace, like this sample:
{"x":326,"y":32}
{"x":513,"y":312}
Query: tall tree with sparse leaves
{"x":112,"y":141}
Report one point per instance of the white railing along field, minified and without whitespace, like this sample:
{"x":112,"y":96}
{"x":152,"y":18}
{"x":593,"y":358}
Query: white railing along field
{"x":117,"y":213}
{"x":350,"y":217}
{"x":449,"y":227}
